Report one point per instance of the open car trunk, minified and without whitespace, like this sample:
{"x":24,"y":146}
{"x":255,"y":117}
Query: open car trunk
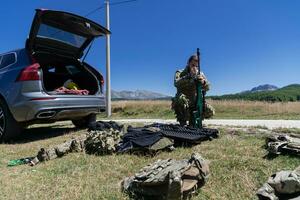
{"x":57,"y":72}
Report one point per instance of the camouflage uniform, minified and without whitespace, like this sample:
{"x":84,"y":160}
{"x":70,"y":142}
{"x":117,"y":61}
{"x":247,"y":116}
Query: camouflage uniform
{"x":98,"y":142}
{"x":282,"y":185}
{"x":185,"y":100}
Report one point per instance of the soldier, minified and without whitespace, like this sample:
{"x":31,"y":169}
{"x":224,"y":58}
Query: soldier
{"x":184,"y":103}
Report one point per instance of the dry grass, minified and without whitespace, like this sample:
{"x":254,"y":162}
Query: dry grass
{"x":238,"y":168}
{"x":227,"y":109}
{"x":144,"y":109}
{"x":256,"y":109}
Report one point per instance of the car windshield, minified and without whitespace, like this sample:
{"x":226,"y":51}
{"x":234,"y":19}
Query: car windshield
{"x":50,"y":32}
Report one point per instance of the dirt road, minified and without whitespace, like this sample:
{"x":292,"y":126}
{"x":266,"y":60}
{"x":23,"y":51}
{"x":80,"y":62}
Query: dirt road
{"x":271,"y":124}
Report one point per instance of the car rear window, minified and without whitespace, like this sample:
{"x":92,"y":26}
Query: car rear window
{"x":50,"y":32}
{"x":7,"y":60}
{"x":72,"y":69}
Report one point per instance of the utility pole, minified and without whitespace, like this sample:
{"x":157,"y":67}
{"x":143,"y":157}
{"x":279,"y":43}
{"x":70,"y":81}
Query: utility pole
{"x":108,"y":89}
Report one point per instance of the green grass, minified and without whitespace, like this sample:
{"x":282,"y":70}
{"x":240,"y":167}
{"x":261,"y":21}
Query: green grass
{"x":237,"y":164}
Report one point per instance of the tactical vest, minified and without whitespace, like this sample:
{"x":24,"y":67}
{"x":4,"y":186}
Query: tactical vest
{"x":168,"y":179}
{"x":185,"y":84}
{"x":281,"y":185}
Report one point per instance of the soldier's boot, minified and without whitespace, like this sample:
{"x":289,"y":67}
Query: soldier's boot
{"x":44,"y":155}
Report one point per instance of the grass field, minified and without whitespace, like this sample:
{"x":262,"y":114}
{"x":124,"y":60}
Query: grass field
{"x":227,"y":109}
{"x":237,"y":165}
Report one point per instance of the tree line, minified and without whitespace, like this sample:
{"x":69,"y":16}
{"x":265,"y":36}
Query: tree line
{"x":288,"y":93}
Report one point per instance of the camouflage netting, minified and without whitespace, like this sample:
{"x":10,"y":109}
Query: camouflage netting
{"x":279,"y":143}
{"x":102,"y":142}
{"x":168,"y":179}
{"x":282,"y":185}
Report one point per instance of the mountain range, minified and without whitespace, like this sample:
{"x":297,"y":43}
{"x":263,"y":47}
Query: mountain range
{"x":264,"y":92}
{"x":137,"y":95}
{"x":260,"y":88}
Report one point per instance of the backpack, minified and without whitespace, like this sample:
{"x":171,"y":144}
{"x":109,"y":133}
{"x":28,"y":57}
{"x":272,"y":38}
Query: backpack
{"x":168,"y":179}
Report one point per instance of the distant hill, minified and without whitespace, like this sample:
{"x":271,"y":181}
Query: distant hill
{"x":268,"y":93}
{"x":137,"y":95}
{"x":266,"y":87}
{"x":260,"y":88}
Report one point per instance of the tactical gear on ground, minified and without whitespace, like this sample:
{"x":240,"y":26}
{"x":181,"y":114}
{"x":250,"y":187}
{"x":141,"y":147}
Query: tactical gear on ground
{"x":102,"y":138}
{"x":157,"y":136}
{"x":168,"y":179}
{"x":185,"y":134}
{"x":184,"y":101}
{"x":102,"y":142}
{"x":73,"y":145}
{"x":108,"y":137}
{"x":146,"y":139}
{"x":282,"y":185}
{"x":288,"y":144}
{"x":101,"y":126}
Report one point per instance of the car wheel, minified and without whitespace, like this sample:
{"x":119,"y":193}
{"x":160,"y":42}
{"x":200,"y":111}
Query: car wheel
{"x":84,"y":122}
{"x":9,"y":127}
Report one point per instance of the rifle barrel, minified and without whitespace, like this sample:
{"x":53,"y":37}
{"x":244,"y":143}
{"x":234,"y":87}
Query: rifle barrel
{"x":198,"y":56}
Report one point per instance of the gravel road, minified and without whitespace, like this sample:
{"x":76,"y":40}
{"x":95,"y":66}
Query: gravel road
{"x":271,"y":124}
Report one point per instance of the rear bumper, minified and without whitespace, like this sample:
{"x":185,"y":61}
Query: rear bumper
{"x":55,"y":108}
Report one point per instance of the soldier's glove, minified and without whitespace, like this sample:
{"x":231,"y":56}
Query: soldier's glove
{"x":201,"y":79}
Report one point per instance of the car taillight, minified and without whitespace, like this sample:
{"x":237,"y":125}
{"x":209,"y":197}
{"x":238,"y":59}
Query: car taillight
{"x":30,"y":73}
{"x":101,"y":80}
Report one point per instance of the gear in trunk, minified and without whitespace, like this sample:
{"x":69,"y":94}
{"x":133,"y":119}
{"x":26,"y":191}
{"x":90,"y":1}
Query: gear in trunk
{"x":59,"y":72}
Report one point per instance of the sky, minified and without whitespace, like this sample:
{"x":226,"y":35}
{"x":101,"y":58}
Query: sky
{"x":243,"y":43}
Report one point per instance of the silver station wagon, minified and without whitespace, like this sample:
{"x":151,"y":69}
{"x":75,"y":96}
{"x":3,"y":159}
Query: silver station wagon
{"x":47,"y":81}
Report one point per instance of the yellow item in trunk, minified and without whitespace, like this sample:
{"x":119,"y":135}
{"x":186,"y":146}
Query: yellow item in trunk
{"x":69,"y":84}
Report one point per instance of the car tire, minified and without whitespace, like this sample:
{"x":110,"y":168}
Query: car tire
{"x":9,"y":127}
{"x":85,"y":122}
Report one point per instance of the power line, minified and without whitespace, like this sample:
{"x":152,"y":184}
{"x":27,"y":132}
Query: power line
{"x":91,"y":12}
{"x":122,"y":2}
{"x":111,"y":4}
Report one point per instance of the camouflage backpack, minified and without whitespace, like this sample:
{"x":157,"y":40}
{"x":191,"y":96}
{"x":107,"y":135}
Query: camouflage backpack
{"x":168,"y":179}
